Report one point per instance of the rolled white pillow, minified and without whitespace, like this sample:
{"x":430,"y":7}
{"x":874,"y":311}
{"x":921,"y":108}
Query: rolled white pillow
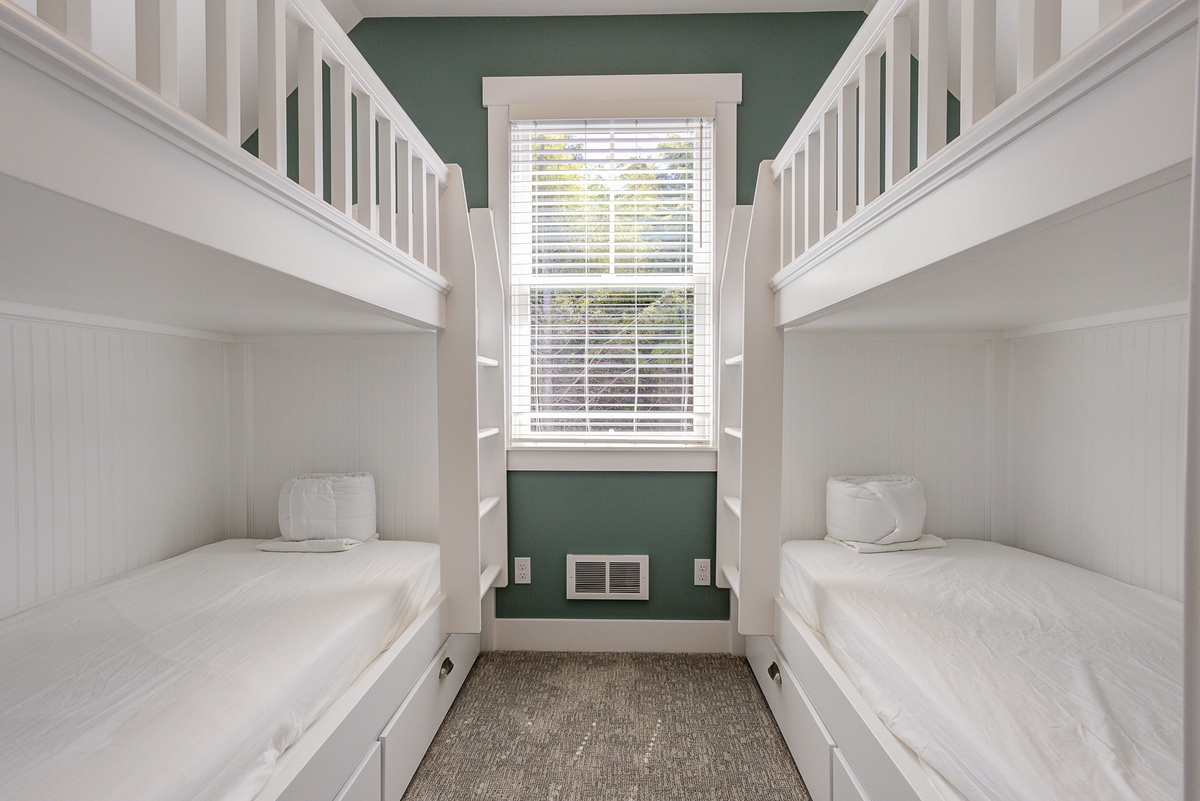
{"x":327,"y":506}
{"x":882,"y":510}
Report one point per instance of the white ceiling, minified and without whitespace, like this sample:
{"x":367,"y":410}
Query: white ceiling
{"x":533,"y":8}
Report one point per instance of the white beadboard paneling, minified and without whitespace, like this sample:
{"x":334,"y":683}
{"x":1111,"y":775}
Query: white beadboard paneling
{"x":1098,"y":461}
{"x":341,"y":405}
{"x":873,"y":403}
{"x":112,"y":453}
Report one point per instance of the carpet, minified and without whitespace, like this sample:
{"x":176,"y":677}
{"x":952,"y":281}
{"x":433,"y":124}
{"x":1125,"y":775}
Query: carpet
{"x":608,"y":727}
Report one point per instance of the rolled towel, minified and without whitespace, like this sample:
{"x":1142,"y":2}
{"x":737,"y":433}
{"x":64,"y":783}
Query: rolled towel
{"x":327,"y":506}
{"x":280,"y":545}
{"x":879,"y":510}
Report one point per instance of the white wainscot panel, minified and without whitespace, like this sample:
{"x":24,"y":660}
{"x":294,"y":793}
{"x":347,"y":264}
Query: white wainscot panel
{"x":341,"y":406}
{"x":112,"y":453}
{"x":1098,"y":460}
{"x":866,"y":404}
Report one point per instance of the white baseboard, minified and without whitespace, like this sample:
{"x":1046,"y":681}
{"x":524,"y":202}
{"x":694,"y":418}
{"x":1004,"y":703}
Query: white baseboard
{"x":651,"y":636}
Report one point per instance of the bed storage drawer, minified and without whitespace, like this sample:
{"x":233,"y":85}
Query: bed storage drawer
{"x":807,"y":739}
{"x":845,"y":783}
{"x":366,"y":782}
{"x":409,"y":732}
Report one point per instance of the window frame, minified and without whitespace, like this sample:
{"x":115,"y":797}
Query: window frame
{"x":714,"y":95}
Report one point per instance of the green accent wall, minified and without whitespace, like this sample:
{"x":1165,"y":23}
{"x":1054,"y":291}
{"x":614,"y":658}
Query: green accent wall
{"x":435,"y":68}
{"x":670,"y":516}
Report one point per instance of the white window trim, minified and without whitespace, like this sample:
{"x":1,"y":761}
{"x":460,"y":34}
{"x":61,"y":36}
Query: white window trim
{"x":715,"y":95}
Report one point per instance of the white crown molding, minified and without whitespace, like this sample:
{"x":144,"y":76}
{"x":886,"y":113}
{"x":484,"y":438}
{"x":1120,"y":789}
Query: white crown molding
{"x":573,"y":8}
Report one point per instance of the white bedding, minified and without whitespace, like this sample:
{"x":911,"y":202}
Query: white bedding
{"x":1015,"y":676}
{"x":187,"y":678}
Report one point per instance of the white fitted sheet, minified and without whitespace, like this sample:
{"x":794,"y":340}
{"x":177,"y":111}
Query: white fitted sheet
{"x":186,"y":679}
{"x":1012,"y":675}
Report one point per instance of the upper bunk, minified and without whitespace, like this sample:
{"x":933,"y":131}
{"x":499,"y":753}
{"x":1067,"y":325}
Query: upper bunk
{"x":126,"y":192}
{"x":1063,"y":192}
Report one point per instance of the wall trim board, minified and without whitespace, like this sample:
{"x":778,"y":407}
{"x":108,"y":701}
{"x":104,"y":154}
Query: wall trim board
{"x":66,"y":317}
{"x":682,"y":460}
{"x":881,"y":335}
{"x":627,"y":636}
{"x":414,"y":337}
{"x":1149,"y":314}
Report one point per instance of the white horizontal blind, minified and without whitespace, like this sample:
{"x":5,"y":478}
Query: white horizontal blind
{"x":611,"y":269}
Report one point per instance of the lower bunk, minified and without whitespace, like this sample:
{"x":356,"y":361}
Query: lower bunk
{"x":972,"y":672}
{"x":235,"y":674}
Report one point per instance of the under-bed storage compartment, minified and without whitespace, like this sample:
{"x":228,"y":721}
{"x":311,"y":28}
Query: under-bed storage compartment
{"x":806,"y":736}
{"x":410,"y":731}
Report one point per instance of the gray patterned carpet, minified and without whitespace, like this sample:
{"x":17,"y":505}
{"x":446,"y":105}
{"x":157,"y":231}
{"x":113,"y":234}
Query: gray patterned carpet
{"x":529,"y":726}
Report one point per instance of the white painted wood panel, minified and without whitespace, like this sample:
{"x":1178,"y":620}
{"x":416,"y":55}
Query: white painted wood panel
{"x":343,"y":405}
{"x":1098,"y":450}
{"x":873,"y":404}
{"x":112,"y":453}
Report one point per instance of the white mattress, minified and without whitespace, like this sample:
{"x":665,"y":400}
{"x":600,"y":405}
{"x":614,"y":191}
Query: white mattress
{"x":187,"y":678}
{"x":1013,"y":675}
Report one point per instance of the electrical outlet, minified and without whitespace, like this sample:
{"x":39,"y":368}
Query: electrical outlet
{"x":520,"y":570}
{"x":703,"y":571}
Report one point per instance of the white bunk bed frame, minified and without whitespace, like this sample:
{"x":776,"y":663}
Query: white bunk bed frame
{"x":168,"y":183}
{"x":826,"y":249}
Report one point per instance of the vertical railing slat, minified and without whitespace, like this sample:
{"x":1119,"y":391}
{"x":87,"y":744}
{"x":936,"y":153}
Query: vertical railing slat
{"x":340,"y":159}
{"x":932,"y":66}
{"x":72,"y":17}
{"x":366,"y":160}
{"x":978,"y":61}
{"x":787,"y":215}
{"x":1039,"y":38}
{"x":222,"y":67}
{"x":868,"y":128}
{"x":156,"y":46}
{"x":847,"y":158}
{"x":812,"y":190}
{"x":1109,"y":10}
{"x":433,"y":242}
{"x":829,"y":171}
{"x":311,"y":110}
{"x":417,"y":182}
{"x":899,"y":89}
{"x":387,"y":179}
{"x":404,"y":195}
{"x":272,"y":74}
{"x":799,"y":204}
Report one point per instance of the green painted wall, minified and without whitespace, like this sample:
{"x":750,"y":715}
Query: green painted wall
{"x":435,"y":68}
{"x":669,"y":516}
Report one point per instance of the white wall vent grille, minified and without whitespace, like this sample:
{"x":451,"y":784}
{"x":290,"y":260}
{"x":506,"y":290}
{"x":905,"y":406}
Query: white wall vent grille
{"x":607,"y":577}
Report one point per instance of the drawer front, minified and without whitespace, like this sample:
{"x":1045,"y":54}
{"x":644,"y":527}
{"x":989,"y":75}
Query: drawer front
{"x":407,"y":736}
{"x":366,"y":782}
{"x":845,"y":783}
{"x":807,"y":738}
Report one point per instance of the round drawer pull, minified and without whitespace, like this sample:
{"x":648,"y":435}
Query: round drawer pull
{"x":773,"y":672}
{"x":447,"y":666}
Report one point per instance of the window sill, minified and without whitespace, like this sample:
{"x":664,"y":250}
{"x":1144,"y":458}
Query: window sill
{"x":616,"y":458}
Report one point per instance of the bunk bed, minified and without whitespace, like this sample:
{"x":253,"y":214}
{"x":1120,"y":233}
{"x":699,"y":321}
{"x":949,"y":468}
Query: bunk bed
{"x":882,"y":233}
{"x":130,"y":205}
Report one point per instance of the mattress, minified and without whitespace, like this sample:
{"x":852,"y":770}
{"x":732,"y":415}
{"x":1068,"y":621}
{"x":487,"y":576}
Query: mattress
{"x":186,"y":679}
{"x":1012,"y":675}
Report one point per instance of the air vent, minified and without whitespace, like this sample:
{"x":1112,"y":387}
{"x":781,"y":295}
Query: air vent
{"x":606,"y":577}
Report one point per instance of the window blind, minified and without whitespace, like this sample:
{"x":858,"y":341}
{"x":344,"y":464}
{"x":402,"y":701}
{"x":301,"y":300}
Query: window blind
{"x":611,"y":280}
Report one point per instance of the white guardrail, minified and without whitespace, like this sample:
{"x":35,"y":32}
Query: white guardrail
{"x":854,"y":142}
{"x":374,"y":144}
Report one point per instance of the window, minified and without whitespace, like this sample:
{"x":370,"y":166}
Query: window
{"x":612,"y":198}
{"x":611,"y":242}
